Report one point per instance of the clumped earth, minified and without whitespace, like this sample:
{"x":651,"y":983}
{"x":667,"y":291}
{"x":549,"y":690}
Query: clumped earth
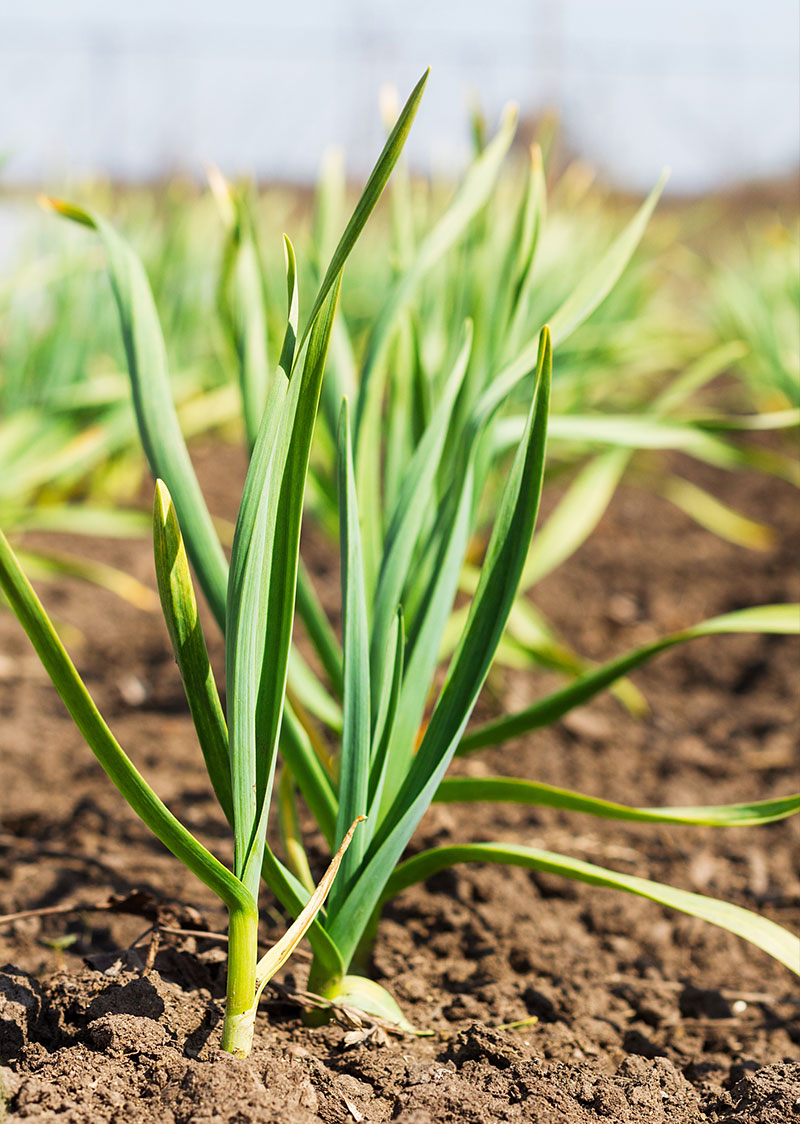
{"x":549,"y":1002}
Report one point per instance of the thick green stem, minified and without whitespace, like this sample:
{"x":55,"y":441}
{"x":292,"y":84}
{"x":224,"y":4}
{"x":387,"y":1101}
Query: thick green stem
{"x":320,"y":979}
{"x":320,"y":982}
{"x":240,"y":1006}
{"x":363,"y":952}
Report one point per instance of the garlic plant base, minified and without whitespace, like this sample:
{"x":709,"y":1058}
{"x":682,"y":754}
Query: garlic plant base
{"x":237,"y":1033}
{"x":365,"y":995}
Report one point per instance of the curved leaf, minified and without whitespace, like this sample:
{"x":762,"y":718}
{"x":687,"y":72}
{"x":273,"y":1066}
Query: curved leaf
{"x":765,"y":934}
{"x":128,"y":780}
{"x":293,"y":896}
{"x":454,"y":790}
{"x":777,"y":619}
{"x":366,"y":995}
{"x":159,"y":429}
{"x":46,"y":563}
{"x":716,"y":516}
{"x":280,"y":952}
{"x":592,"y":289}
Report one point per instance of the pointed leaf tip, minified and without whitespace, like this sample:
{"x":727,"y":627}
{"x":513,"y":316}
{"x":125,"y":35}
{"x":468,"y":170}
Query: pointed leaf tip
{"x":66,"y":209}
{"x":222,"y":192}
{"x":349,"y":833}
{"x":162,"y":500}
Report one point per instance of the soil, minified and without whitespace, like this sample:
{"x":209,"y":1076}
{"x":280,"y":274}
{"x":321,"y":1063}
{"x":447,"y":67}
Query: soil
{"x":548,"y":1001}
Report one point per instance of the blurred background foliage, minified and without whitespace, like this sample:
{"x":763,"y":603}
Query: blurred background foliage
{"x":709,"y":298}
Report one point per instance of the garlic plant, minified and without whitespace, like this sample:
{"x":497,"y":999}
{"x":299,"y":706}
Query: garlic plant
{"x":414,"y":453}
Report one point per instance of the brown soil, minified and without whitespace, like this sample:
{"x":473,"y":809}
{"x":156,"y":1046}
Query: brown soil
{"x":626,"y":1012}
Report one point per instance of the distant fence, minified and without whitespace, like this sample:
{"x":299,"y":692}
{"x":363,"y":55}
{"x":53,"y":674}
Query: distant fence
{"x":139,"y":90}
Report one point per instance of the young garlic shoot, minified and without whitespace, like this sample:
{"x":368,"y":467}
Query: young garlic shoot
{"x":411,"y":461}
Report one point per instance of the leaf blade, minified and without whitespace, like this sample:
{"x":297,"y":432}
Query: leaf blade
{"x":115,"y":762}
{"x":188,"y":644}
{"x":766,"y":935}
{"x":517,"y":791}
{"x":356,"y":739}
{"x":157,"y":419}
{"x":501,"y":571}
{"x":776,"y":619}
{"x":369,"y":197}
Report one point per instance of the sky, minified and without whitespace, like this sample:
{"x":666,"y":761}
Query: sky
{"x":137,"y":91}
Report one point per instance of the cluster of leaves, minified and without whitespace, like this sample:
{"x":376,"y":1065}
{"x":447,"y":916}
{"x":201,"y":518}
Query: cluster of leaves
{"x":253,"y":600}
{"x":67,"y":430}
{"x":755,"y":297}
{"x":69,"y":447}
{"x":435,"y":385}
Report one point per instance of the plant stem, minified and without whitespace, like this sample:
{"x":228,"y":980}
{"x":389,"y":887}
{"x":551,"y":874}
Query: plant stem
{"x":321,"y":980}
{"x":240,"y":1008}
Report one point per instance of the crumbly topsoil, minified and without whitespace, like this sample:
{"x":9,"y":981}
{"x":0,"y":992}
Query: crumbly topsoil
{"x":624,"y":1011}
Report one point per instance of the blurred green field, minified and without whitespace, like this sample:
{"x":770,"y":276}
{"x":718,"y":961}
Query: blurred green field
{"x":710,"y":298}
